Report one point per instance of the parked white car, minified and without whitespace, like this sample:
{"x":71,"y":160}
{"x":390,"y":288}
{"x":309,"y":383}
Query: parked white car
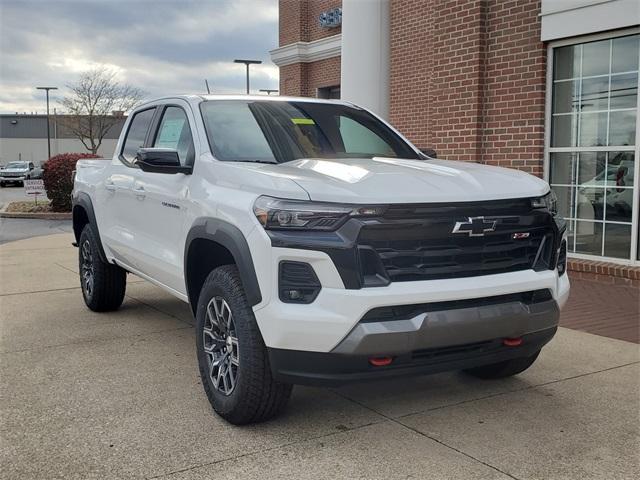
{"x":316,"y":245}
{"x":18,"y":172}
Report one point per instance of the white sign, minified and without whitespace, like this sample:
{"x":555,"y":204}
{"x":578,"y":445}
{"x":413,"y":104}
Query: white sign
{"x":34,"y":187}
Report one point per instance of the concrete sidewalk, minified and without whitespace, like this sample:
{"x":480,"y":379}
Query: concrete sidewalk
{"x":86,"y":395}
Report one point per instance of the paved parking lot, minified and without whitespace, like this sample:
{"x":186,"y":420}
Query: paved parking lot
{"x":88,"y":395}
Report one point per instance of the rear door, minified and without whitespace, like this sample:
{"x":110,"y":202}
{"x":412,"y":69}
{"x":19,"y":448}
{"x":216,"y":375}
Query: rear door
{"x":116,"y":199}
{"x":162,"y":199}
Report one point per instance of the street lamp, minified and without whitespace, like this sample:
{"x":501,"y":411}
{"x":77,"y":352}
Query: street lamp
{"x":48,"y":127}
{"x":269,"y":91}
{"x":247,"y":63}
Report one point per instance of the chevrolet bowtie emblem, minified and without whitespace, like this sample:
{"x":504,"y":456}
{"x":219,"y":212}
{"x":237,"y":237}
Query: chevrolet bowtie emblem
{"x":475,"y":226}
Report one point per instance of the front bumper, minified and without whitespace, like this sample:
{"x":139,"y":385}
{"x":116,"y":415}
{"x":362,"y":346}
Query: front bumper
{"x":13,"y":179}
{"x":335,"y":369}
{"x":322,"y":325}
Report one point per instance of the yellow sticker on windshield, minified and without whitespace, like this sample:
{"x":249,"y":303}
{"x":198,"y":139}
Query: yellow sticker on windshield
{"x":303,"y":121}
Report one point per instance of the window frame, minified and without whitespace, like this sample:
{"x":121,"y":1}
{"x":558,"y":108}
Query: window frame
{"x":548,"y":149}
{"x":157,"y":121}
{"x":152,"y":124}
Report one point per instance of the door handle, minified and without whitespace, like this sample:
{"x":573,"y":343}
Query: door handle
{"x":109,"y":185}
{"x":139,"y":192}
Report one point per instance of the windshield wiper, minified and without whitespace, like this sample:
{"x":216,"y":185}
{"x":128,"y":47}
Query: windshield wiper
{"x":271,"y":162}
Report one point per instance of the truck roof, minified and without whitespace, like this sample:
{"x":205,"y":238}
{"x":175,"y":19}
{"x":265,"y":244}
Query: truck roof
{"x":195,"y":98}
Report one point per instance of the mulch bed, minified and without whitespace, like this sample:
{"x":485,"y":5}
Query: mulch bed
{"x":29,"y":207}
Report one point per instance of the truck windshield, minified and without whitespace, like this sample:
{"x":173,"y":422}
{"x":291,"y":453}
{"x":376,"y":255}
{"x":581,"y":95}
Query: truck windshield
{"x":277,"y":132}
{"x":16,"y":165}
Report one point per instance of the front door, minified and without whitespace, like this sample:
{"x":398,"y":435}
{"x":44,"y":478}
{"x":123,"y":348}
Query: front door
{"x":162,"y":201}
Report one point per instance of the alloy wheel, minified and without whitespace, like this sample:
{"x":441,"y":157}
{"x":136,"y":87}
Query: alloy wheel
{"x":220,"y":342}
{"x":87,"y":269}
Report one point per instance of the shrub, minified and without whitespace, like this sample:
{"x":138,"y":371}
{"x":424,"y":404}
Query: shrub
{"x":58,"y":182}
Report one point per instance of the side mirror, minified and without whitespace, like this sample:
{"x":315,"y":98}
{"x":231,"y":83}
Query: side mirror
{"x":429,"y":152}
{"x":161,"y":160}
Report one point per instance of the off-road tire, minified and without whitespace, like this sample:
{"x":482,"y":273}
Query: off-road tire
{"x":109,"y":281}
{"x":256,"y":396}
{"x":504,"y":369}
{"x":2,"y":184}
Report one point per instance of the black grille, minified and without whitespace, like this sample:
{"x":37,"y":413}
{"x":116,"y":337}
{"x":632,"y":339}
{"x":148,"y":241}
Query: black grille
{"x":415,"y":242}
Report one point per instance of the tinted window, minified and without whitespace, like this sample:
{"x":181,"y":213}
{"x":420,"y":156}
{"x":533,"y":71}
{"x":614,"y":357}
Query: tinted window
{"x":174,"y":132}
{"x":137,"y":133}
{"x":266,"y":131}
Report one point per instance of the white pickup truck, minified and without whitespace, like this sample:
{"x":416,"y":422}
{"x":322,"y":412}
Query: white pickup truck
{"x":316,"y":245}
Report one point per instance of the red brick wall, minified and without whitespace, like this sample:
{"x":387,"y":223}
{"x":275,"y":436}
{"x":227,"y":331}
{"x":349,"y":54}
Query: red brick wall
{"x":314,"y":8}
{"x":303,"y":79}
{"x":468,"y":79}
{"x":298,"y":20}
{"x":514,"y":87}
{"x":299,"y":23}
{"x":325,"y":73}
{"x":436,"y":74}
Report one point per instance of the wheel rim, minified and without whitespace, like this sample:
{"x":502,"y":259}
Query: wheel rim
{"x":86,"y":273}
{"x":220,"y":342}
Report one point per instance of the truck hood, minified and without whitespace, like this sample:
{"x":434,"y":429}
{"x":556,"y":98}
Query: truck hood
{"x":14,"y":170}
{"x":392,"y":180}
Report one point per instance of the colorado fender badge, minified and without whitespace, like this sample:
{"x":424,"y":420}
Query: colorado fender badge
{"x":519,"y":235}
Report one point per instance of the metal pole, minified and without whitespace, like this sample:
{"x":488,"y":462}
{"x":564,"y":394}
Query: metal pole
{"x":247,"y":63}
{"x":48,"y":133}
{"x":46,"y":89}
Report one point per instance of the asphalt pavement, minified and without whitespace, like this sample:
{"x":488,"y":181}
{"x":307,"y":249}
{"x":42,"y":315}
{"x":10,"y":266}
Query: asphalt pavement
{"x":18,"y":228}
{"x":13,"y":193}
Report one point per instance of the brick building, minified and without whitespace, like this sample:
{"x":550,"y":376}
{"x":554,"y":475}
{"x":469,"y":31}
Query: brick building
{"x":549,"y":87}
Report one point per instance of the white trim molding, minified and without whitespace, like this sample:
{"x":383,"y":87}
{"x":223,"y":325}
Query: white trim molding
{"x":570,"y":18}
{"x":306,"y":52}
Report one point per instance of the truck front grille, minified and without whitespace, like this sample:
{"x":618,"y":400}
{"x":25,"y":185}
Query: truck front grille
{"x":414,"y":243}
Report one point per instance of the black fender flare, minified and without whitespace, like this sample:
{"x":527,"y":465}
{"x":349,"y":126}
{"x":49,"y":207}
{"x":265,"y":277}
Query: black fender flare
{"x":230,"y":237}
{"x":83,"y":200}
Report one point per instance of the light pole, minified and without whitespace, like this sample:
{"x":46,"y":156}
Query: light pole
{"x":247,"y":63}
{"x":48,"y":127}
{"x":269,"y":91}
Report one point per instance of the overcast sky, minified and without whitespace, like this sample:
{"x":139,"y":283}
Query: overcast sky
{"x":160,"y":46}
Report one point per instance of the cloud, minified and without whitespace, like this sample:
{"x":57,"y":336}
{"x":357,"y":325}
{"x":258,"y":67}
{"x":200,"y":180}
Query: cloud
{"x":160,"y":46}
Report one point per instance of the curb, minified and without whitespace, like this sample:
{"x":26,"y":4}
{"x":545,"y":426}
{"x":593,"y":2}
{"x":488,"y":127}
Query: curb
{"x":38,"y":216}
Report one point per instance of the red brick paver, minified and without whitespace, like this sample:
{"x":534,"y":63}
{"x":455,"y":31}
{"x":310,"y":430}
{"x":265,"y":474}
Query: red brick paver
{"x":603,"y":309}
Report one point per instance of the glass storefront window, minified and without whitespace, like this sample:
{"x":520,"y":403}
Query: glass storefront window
{"x":593,"y":149}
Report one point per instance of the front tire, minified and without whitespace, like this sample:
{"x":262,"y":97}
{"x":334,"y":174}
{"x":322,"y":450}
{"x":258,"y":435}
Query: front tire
{"x":233,"y":359}
{"x":103,"y":284}
{"x":505,"y":369}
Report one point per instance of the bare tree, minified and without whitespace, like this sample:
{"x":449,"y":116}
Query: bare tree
{"x":89,"y":109}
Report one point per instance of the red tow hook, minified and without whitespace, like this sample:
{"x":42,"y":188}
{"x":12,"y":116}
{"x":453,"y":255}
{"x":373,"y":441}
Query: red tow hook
{"x":512,"y":342}
{"x":380,"y":361}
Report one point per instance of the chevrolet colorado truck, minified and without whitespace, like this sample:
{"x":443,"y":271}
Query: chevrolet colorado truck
{"x":18,"y":172}
{"x":316,"y":245}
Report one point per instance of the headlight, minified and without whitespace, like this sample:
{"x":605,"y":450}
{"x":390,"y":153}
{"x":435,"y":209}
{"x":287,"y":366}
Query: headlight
{"x":549,"y":201}
{"x":277,"y":213}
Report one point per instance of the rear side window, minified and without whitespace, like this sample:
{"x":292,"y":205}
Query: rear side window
{"x":174,"y":132}
{"x":137,"y":133}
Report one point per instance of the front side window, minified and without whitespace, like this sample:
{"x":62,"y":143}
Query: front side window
{"x":137,"y":133}
{"x":593,"y":150}
{"x":277,"y":132}
{"x":174,"y":132}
